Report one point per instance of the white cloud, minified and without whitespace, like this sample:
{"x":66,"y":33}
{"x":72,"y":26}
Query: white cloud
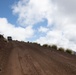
{"x":58,"y":38}
{"x":43,"y":29}
{"x":17,"y":33}
{"x":33,"y":11}
{"x":60,"y":15}
{"x":52,"y":37}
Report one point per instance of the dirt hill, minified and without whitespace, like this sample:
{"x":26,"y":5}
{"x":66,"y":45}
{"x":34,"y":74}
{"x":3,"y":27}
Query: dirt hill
{"x":19,"y":58}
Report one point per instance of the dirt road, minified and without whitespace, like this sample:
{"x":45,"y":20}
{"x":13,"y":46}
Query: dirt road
{"x":30,"y":59}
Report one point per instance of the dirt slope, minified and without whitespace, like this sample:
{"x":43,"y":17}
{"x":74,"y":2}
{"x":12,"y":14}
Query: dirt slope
{"x":30,"y":59}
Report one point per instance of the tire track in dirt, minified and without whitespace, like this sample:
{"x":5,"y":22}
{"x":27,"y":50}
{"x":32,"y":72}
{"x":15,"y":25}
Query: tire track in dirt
{"x":13,"y":67}
{"x":26,"y":59}
{"x":66,"y":67}
{"x":41,"y":59}
{"x":32,"y":65}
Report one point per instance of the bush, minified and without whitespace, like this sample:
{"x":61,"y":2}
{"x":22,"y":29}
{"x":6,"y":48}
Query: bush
{"x":28,"y":42}
{"x":69,"y":51}
{"x":36,"y":43}
{"x":61,"y":49}
{"x":1,"y":36}
{"x":49,"y":46}
{"x":54,"y":47}
{"x":45,"y":45}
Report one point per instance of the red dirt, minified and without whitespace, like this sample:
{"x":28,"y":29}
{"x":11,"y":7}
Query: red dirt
{"x":18,"y":58}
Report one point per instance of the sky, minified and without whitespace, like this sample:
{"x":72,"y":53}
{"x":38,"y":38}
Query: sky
{"x":42,"y":21}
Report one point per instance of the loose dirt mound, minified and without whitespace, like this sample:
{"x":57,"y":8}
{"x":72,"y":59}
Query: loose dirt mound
{"x":19,"y":58}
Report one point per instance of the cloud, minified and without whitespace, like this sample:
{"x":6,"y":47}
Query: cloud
{"x":59,"y":38}
{"x":60,"y":15}
{"x":33,"y":11}
{"x":17,"y":33}
{"x":68,"y":7}
{"x":63,"y":34}
{"x":43,"y":29}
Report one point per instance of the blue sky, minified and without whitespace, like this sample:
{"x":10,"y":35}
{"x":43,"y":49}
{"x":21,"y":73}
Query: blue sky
{"x":42,"y":21}
{"x":6,"y":11}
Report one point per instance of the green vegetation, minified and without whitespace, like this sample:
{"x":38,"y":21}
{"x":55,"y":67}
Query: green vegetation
{"x":28,"y":42}
{"x":36,"y":43}
{"x":9,"y":38}
{"x":45,"y":45}
{"x":69,"y":51}
{"x":49,"y":46}
{"x":61,"y":49}
{"x":54,"y":47}
{"x":1,"y":36}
